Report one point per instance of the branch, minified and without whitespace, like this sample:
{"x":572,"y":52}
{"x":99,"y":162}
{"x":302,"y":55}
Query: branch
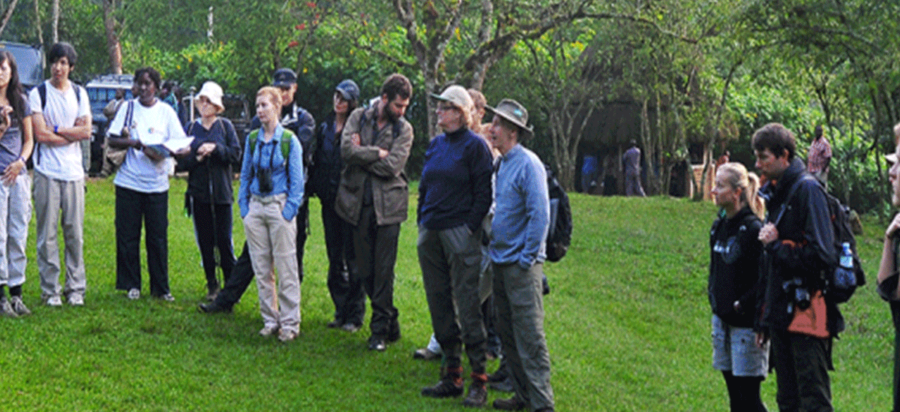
{"x":7,"y":14}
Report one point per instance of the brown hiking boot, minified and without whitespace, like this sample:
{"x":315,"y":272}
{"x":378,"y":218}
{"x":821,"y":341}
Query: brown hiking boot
{"x":477,"y":395}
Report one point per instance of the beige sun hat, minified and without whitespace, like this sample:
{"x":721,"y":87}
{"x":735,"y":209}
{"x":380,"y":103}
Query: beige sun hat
{"x":515,"y":113}
{"x":457,"y":96}
{"x":213,"y":92}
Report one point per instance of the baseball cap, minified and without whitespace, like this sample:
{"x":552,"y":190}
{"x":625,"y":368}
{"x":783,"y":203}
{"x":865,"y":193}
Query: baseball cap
{"x":348,"y":90}
{"x":284,"y":78}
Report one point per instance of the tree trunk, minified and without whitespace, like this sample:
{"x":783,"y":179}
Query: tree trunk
{"x":37,"y":23}
{"x":113,"y":47}
{"x":7,"y":14}
{"x":54,"y":25}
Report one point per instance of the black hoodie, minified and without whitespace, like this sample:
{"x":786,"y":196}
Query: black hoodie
{"x":734,"y":267}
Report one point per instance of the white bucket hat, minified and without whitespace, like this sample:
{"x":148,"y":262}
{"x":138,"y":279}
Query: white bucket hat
{"x":213,"y":92}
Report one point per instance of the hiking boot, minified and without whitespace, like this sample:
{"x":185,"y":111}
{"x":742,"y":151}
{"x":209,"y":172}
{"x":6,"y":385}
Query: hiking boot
{"x":213,"y":307}
{"x":6,"y":308}
{"x":445,"y":388}
{"x":477,"y":395}
{"x":511,"y":404}
{"x":425,"y":354}
{"x":19,"y":306}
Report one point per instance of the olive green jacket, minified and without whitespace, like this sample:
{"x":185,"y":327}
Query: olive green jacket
{"x":390,"y":191}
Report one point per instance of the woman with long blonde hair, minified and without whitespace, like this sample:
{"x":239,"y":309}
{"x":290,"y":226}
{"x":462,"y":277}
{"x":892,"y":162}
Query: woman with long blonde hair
{"x":734,"y":286}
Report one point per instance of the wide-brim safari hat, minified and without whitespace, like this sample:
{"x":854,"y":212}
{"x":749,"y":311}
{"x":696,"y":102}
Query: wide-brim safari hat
{"x":515,"y":113}
{"x":213,"y":92}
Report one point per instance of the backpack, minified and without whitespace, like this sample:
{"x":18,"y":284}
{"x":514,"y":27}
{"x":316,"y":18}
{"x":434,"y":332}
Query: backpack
{"x":285,"y":147}
{"x":840,"y":282}
{"x":559,"y":236}
{"x":42,"y":92}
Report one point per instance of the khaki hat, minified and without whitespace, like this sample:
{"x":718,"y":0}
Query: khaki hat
{"x":515,"y":113}
{"x":891,"y":158}
{"x":213,"y":92}
{"x":457,"y":96}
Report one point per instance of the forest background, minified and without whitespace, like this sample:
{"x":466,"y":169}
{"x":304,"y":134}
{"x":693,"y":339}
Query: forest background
{"x":687,"y":79}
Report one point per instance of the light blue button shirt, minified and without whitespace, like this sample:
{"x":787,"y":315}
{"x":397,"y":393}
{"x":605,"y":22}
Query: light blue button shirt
{"x":522,"y":214}
{"x":281,"y":183}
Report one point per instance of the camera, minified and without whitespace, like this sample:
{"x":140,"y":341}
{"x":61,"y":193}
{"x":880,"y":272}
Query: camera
{"x":265,"y":180}
{"x":801,"y":294}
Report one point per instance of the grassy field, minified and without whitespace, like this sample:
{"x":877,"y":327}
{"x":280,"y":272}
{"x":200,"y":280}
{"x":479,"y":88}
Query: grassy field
{"x":627,"y":325}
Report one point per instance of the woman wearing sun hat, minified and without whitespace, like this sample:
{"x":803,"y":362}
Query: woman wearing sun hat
{"x":209,"y":194}
{"x":454,"y":197}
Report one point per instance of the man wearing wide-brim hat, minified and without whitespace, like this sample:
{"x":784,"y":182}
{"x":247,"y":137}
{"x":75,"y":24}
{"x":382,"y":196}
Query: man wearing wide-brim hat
{"x":517,"y":251}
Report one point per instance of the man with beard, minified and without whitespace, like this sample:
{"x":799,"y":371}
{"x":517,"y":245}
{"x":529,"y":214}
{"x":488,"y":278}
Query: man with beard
{"x":373,"y":197}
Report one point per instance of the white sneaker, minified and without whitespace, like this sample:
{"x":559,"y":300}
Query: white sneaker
{"x":19,"y":306}
{"x":268,"y":331}
{"x":76,"y":300}
{"x":167,"y":297}
{"x":6,"y":308}
{"x":134,"y":294}
{"x":54,"y":301}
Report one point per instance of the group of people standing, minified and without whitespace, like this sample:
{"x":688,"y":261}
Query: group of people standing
{"x":769,"y":249}
{"x":483,"y":210}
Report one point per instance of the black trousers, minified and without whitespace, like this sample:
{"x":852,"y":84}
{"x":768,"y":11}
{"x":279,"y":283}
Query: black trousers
{"x":801,"y":370}
{"x":242,"y":273}
{"x":212,"y":232}
{"x":346,"y":291}
{"x":375,"y":248}
{"x":132,"y":209}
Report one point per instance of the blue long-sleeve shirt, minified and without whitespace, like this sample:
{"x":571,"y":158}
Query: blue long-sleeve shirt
{"x":522,"y":210}
{"x":456,"y":182}
{"x":259,"y":157}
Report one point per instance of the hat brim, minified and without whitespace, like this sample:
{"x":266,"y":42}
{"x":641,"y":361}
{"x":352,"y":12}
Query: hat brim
{"x":345,"y":95}
{"x":527,"y":132}
{"x":284,"y":83}
{"x":439,"y":97}
{"x":891,"y":158}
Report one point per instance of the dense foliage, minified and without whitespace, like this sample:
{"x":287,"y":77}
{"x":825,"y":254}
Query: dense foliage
{"x":687,"y":79}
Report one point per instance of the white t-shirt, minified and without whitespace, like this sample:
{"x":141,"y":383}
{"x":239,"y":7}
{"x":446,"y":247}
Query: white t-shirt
{"x":61,"y":109}
{"x":154,"y":125}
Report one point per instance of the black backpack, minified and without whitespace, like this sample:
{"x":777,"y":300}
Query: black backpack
{"x":840,"y":282}
{"x":559,"y":236}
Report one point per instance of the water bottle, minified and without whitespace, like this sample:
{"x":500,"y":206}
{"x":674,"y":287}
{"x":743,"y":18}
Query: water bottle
{"x":846,"y":256}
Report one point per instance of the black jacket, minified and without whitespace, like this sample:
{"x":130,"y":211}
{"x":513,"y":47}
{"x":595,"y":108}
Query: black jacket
{"x":216,"y":167}
{"x":734,"y":267}
{"x":805,"y":245}
{"x":325,"y":174}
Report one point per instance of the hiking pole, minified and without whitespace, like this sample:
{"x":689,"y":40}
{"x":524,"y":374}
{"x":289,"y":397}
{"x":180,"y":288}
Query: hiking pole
{"x":217,"y":253}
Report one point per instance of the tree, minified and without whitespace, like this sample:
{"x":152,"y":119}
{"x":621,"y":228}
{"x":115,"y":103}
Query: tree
{"x":113,"y":46}
{"x":4,"y":18}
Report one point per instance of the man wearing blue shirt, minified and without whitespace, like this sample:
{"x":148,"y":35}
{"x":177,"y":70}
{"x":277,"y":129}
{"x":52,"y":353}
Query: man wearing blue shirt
{"x":517,"y":251}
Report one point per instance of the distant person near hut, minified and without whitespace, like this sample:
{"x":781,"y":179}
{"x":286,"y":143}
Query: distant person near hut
{"x":632,"y":161}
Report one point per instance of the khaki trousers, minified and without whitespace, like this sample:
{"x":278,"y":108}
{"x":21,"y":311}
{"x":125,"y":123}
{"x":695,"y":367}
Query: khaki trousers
{"x":271,"y":241}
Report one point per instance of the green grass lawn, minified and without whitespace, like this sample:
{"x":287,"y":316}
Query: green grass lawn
{"x":627,"y":325}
